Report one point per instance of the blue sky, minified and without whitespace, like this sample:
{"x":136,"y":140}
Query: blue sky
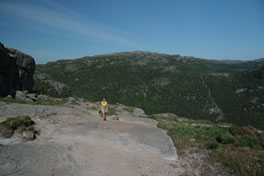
{"x":64,"y":29}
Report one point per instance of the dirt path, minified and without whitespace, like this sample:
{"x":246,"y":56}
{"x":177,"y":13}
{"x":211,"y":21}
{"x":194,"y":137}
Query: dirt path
{"x":75,"y":141}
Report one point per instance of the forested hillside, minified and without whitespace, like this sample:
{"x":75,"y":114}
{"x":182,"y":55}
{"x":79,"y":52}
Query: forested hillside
{"x":223,"y":91}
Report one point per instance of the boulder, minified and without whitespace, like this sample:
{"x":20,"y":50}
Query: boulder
{"x":8,"y":73}
{"x":43,"y":97}
{"x":138,"y":112}
{"x":33,"y":96}
{"x":25,"y":96}
{"x":71,"y":100}
{"x":29,"y":135}
{"x":115,"y":118}
{"x":26,"y":68}
{"x":16,"y":71}
{"x":20,"y":95}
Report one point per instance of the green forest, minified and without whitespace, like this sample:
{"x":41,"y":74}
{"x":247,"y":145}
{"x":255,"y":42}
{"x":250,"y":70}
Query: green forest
{"x":221,"y":91}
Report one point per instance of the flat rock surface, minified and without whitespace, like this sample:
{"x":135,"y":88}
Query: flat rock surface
{"x":76,"y":141}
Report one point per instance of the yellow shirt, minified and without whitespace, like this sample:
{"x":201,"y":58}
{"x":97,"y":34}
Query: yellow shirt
{"x":104,"y":104}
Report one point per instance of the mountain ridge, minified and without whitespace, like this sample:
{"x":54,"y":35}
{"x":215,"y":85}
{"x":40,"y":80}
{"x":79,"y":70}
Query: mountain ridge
{"x":159,"y":83}
{"x":138,"y":52}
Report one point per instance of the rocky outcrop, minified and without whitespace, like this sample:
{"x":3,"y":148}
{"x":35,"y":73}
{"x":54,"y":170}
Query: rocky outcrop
{"x":16,"y":71}
{"x":8,"y":73}
{"x":47,"y":86}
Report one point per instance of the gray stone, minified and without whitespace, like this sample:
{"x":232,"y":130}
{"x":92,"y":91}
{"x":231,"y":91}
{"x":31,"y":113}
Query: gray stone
{"x":138,"y":112}
{"x":43,"y":96}
{"x":20,"y":95}
{"x":29,"y":135}
{"x":33,"y":96}
{"x":115,"y":118}
{"x":71,"y":100}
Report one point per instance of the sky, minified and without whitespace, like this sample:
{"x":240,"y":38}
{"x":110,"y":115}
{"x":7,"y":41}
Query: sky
{"x":50,"y":30}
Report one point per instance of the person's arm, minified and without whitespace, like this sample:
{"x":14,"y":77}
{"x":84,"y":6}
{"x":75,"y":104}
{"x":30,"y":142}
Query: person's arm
{"x":107,"y":107}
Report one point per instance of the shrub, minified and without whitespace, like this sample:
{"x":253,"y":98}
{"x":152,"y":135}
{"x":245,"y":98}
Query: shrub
{"x":226,"y":138}
{"x":240,"y":131}
{"x":211,"y":145}
{"x":250,"y":141}
{"x":112,"y":111}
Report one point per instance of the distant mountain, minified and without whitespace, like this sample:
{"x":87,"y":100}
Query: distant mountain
{"x":260,"y":60}
{"x":230,"y":92}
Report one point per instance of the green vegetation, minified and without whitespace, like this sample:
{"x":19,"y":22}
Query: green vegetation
{"x":48,"y":101}
{"x":203,"y":122}
{"x":19,"y":121}
{"x":92,"y":108}
{"x":45,"y":89}
{"x":31,"y":128}
{"x":129,"y":109}
{"x":23,"y":123}
{"x":159,"y":83}
{"x":112,"y":111}
{"x":240,"y":148}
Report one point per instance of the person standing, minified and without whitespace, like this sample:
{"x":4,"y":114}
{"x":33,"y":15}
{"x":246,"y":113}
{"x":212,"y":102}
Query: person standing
{"x":104,"y":108}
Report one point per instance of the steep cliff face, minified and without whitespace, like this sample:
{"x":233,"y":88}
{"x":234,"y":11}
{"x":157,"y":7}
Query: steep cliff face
{"x":16,"y":71}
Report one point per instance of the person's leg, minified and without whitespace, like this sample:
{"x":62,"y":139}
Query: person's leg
{"x":104,"y":116}
{"x":102,"y":111}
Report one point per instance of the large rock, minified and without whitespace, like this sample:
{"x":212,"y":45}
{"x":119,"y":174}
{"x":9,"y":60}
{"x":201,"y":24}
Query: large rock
{"x":16,"y":71}
{"x":138,"y":112}
{"x":8,"y":73}
{"x":47,"y":86}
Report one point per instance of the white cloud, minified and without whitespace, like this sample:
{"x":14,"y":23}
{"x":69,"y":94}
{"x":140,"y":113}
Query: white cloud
{"x":55,"y":15}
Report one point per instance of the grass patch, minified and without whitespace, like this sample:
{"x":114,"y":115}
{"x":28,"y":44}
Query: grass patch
{"x":92,"y":108}
{"x":211,"y":145}
{"x":251,"y":142}
{"x":50,"y":102}
{"x":199,"y":122}
{"x":129,"y":109}
{"x":164,"y":119}
{"x":245,"y":161}
{"x":205,"y":122}
{"x":19,"y":121}
{"x":239,"y":131}
{"x":112,"y":111}
{"x":8,"y":126}
{"x":240,"y":148}
{"x":31,"y":128}
{"x":13,"y":100}
{"x":226,"y":138}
